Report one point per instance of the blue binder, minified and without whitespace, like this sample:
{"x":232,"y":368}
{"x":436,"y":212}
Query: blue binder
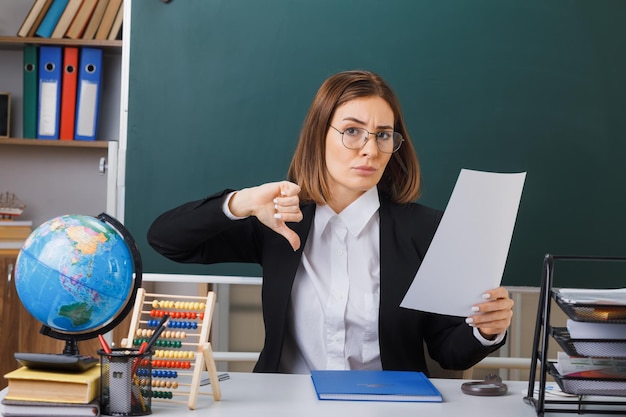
{"x":50,"y":72}
{"x":50,"y":20}
{"x":88,"y":94}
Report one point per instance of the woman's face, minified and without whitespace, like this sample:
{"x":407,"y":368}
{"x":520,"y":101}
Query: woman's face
{"x":352,"y":172}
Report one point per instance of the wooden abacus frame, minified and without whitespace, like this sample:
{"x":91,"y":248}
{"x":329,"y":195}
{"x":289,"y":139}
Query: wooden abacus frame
{"x":145,"y":305}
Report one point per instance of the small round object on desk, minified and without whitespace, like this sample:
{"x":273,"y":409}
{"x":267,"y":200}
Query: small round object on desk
{"x":491,"y":386}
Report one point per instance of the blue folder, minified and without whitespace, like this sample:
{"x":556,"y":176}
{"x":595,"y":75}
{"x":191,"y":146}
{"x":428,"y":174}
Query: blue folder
{"x":361,"y":385}
{"x":88,"y":94}
{"x":50,"y":20}
{"x":49,"y":106}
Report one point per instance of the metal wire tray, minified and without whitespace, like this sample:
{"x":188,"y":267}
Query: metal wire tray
{"x":588,"y":386}
{"x":600,"y":348}
{"x":601,"y":313}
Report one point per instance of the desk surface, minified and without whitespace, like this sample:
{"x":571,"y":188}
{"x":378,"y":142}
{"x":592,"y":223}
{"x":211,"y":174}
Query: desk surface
{"x":278,"y":395}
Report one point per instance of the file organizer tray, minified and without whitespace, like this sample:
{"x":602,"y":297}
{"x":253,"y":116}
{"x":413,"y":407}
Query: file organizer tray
{"x":601,"y":313}
{"x":594,"y":395}
{"x":601,"y":348}
{"x":588,"y":386}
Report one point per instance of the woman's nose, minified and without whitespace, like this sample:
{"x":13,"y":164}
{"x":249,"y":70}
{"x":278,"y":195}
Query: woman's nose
{"x":370,"y":147}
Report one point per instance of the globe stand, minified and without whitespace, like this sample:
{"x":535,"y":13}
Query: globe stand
{"x":71,"y":347}
{"x":70,"y":359}
{"x":56,"y":361}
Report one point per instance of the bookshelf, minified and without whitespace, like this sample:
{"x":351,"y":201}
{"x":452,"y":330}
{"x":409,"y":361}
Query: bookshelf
{"x":52,"y":177}
{"x":23,"y":161}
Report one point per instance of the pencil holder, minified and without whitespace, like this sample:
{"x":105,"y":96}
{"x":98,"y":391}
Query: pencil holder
{"x":125,"y":382}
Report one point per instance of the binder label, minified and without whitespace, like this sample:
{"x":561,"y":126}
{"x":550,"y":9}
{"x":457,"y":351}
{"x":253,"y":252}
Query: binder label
{"x":48,"y":115}
{"x":86,"y":122}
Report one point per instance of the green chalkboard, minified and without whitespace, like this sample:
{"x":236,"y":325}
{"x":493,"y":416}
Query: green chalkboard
{"x":219,"y":89}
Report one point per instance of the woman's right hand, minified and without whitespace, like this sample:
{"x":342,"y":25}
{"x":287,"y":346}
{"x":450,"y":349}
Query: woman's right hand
{"x":273,"y":204}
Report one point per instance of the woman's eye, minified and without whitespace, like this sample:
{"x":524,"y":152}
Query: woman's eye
{"x":383,"y":135}
{"x":352,"y":131}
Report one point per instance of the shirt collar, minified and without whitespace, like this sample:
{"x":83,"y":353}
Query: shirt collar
{"x":355,"y":216}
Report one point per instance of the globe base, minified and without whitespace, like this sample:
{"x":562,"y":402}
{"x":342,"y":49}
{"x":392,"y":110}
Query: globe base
{"x":56,"y":362}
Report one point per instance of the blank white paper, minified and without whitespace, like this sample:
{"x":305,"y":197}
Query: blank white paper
{"x":469,"y":250}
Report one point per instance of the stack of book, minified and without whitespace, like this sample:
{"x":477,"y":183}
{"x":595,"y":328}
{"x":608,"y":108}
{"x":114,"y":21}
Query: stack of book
{"x":13,"y":233}
{"x":34,"y":392}
{"x":74,"y":19}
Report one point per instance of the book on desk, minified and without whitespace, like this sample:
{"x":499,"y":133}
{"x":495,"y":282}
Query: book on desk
{"x":361,"y":385}
{"x":19,"y":408}
{"x":28,"y":384}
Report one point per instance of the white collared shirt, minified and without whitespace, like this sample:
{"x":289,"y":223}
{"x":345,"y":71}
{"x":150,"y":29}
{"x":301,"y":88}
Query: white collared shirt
{"x":333,"y":317}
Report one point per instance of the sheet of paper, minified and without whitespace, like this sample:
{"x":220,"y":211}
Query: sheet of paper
{"x":469,"y":250}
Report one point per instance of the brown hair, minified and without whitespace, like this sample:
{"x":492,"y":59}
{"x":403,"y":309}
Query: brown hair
{"x":401,"y":179}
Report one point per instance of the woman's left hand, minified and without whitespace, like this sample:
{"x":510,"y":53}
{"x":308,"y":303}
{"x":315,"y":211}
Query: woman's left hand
{"x":494,"y":315}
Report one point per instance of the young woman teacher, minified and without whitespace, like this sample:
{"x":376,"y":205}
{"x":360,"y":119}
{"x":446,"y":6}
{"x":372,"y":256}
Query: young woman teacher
{"x":340,"y":242}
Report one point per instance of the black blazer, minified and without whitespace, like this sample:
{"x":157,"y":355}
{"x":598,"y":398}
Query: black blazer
{"x":199,"y":232}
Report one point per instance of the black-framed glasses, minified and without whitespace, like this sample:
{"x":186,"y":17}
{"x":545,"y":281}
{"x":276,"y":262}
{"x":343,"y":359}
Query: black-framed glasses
{"x":387,"y":141}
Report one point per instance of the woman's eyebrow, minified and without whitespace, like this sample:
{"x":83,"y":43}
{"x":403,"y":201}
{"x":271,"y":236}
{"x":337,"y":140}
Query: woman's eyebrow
{"x":354,"y":119}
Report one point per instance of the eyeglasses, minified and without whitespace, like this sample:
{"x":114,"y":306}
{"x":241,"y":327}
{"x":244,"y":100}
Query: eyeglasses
{"x":387,"y":141}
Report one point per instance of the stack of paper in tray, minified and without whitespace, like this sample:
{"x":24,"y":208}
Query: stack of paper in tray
{"x":590,"y":367}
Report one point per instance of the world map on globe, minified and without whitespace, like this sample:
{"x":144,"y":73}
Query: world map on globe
{"x":74,"y":273}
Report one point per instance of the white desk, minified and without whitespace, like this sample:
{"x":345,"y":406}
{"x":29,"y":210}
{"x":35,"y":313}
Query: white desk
{"x":278,"y":395}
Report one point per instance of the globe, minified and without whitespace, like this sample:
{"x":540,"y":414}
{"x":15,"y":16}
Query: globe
{"x":78,"y":275}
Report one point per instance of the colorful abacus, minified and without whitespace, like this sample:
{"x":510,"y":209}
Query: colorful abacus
{"x":182,"y":350}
